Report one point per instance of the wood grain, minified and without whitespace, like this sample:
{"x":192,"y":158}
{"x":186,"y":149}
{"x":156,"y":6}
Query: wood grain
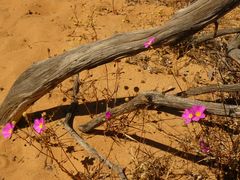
{"x":210,"y":89}
{"x":43,"y":76}
{"x":234,"y":49}
{"x":159,"y":100}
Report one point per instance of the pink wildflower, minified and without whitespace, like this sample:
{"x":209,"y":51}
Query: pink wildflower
{"x":198,"y":112}
{"x":187,"y":115}
{"x":195,"y":113}
{"x":108,"y":115}
{"x":149,"y":42}
{"x":39,"y":125}
{"x":8,"y":130}
{"x":204,"y":146}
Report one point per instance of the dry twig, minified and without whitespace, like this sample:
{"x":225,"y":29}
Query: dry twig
{"x":43,"y":76}
{"x":68,"y":126}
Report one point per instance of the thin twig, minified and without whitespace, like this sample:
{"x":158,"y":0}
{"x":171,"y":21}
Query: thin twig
{"x":68,"y":126}
{"x":186,"y":23}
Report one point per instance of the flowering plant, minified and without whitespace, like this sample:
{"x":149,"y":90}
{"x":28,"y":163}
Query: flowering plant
{"x":108,"y":115}
{"x":204,"y":146}
{"x":195,"y":113}
{"x":8,"y":130}
{"x":149,"y":42}
{"x":39,"y":125}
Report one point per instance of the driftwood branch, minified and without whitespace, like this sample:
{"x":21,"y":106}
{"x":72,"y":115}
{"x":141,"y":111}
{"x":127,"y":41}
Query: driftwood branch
{"x":213,"y":35}
{"x":68,"y":126}
{"x":210,"y":89}
{"x":43,"y":76}
{"x":159,"y":100}
{"x":234,"y":49}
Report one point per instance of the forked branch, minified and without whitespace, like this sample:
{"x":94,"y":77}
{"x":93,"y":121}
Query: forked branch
{"x":68,"y":126}
{"x":159,"y":100}
{"x":43,"y":76}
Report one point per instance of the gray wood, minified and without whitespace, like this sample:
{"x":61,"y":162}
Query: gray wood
{"x":43,"y":76}
{"x":68,"y":124}
{"x":234,"y":49}
{"x":209,"y":36}
{"x":210,"y":89}
{"x":158,"y":99}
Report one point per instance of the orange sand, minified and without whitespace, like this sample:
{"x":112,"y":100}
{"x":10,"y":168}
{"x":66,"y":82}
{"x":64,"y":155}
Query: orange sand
{"x":34,"y":30}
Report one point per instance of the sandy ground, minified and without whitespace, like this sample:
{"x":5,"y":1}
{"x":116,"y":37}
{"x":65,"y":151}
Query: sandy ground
{"x":33,"y":30}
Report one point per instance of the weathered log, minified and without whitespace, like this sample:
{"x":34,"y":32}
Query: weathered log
{"x":43,"y":76}
{"x":160,"y":100}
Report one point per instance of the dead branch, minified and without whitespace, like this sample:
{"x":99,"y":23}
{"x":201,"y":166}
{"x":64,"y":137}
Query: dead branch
{"x":159,"y":100}
{"x":210,"y":36}
{"x":68,"y":126}
{"x":43,"y":76}
{"x":210,"y":89}
{"x":234,"y":49}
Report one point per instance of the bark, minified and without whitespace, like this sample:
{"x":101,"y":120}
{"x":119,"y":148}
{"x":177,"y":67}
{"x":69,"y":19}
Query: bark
{"x":43,"y":76}
{"x":210,"y":89}
{"x":158,"y":100}
{"x":234,"y":49}
{"x":210,"y":36}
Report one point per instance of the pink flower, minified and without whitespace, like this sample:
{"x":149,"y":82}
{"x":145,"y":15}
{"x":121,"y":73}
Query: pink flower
{"x":8,"y":130}
{"x":204,"y":146}
{"x":195,"y":113}
{"x":149,"y":42}
{"x":108,"y":115}
{"x":188,"y":115}
{"x":198,"y":112}
{"x":39,"y":125}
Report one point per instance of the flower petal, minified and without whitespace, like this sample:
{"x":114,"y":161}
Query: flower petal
{"x":108,"y":115}
{"x":149,"y":42}
{"x":187,"y":115}
{"x":7,"y":130}
{"x":195,"y":118}
{"x":188,"y":121}
{"x":204,"y":146}
{"x":39,"y":125}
